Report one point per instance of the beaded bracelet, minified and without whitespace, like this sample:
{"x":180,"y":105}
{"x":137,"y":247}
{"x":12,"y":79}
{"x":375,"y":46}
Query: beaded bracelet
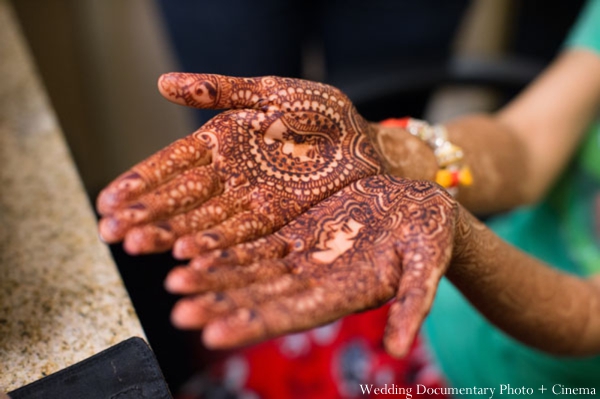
{"x":452,"y":173}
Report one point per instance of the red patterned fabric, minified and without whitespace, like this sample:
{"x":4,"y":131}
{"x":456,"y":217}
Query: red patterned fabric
{"x":324,"y":363}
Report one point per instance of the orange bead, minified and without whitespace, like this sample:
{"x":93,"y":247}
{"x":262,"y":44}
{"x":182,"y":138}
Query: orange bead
{"x":465,"y":177}
{"x":444,"y":178}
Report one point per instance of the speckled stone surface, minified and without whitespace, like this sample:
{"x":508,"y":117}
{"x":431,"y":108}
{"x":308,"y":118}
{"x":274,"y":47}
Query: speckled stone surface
{"x":61,"y":297}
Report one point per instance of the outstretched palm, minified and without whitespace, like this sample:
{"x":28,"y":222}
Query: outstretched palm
{"x":286,"y":145}
{"x":379,"y":238}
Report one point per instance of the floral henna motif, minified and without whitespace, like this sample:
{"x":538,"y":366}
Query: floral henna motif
{"x":377,"y":239}
{"x":286,"y":145}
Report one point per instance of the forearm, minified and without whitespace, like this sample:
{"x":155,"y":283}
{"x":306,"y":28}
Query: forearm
{"x":516,"y":154}
{"x":552,"y":115}
{"x":494,"y":154}
{"x":540,"y":306}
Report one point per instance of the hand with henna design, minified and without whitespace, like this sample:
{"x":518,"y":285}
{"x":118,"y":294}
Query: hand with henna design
{"x":285,"y":145}
{"x":380,"y":238}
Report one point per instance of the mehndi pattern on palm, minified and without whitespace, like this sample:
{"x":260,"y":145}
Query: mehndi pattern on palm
{"x":377,"y":239}
{"x":286,"y":145}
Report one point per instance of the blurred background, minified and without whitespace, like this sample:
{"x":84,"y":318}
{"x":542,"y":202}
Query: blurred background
{"x":100,"y":60}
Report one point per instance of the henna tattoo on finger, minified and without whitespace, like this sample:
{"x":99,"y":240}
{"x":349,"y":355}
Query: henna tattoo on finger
{"x":288,"y":145}
{"x":377,"y":239}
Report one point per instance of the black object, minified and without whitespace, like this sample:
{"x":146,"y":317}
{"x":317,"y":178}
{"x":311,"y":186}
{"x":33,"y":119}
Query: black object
{"x":144,"y":278}
{"x":127,"y":370}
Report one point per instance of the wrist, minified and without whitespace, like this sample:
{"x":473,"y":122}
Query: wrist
{"x":462,"y":249}
{"x":403,"y":154}
{"x":471,"y":249}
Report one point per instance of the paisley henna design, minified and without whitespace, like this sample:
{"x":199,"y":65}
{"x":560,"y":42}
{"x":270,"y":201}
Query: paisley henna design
{"x":377,"y":239}
{"x":287,"y":145}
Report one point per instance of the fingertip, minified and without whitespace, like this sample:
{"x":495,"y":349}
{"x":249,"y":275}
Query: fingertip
{"x":183,"y":317}
{"x":114,"y":228}
{"x":185,"y":248}
{"x":195,"y":90}
{"x":105,"y":203}
{"x":178,"y":316}
{"x":108,"y":229}
{"x":170,"y":78}
{"x":122,"y":190}
{"x":402,"y":328}
{"x":238,"y":328}
{"x":167,"y":83}
{"x":396,"y":347}
{"x":163,"y":77}
{"x":175,"y":281}
{"x":220,"y":335}
{"x":135,"y":244}
{"x":212,"y":336}
{"x":148,"y":239}
{"x":100,"y":207}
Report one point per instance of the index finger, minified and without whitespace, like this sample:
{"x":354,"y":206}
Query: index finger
{"x":184,"y":154}
{"x":202,"y":90}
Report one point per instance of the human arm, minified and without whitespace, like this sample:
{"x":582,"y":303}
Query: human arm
{"x":545,"y":123}
{"x":514,"y":155}
{"x":517,"y":153}
{"x":534,"y":303}
{"x":487,"y":138}
{"x":377,"y":239}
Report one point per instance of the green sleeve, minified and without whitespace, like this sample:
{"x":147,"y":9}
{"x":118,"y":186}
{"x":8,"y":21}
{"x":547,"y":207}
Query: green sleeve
{"x":586,"y":32}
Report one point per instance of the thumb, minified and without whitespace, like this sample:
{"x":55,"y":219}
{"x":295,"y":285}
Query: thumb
{"x":422,"y":271}
{"x":214,"y":91}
